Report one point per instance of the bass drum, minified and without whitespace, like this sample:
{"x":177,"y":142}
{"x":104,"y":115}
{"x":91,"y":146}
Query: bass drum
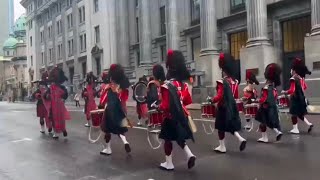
{"x":140,"y":92}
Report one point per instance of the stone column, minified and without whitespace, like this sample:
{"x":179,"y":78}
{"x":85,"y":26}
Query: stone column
{"x":123,"y":29}
{"x":315,"y":17}
{"x":257,"y":22}
{"x":113,"y":30}
{"x":173,"y":33}
{"x":209,"y":54}
{"x":145,"y":32}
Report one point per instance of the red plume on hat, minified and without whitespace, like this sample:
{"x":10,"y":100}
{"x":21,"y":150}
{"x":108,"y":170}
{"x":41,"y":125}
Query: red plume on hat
{"x":169,"y":57}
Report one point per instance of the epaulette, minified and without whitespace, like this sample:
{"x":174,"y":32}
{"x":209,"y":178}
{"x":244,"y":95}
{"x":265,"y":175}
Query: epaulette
{"x":220,"y":81}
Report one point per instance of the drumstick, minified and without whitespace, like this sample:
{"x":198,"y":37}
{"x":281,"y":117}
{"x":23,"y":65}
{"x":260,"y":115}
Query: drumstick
{"x":129,"y":123}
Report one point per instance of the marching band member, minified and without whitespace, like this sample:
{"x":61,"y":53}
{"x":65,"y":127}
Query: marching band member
{"x":267,"y":114}
{"x":175,"y":96}
{"x":142,"y":108}
{"x":42,"y":103}
{"x":114,"y":115}
{"x":89,"y":96}
{"x":250,"y":93}
{"x":154,"y":85}
{"x":298,"y":104}
{"x":57,"y":94}
{"x":227,"y":119}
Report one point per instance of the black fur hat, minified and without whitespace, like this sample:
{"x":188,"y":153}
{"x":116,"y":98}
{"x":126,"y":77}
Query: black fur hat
{"x":117,"y":75}
{"x":158,"y":72}
{"x":228,"y":65}
{"x":57,"y":75}
{"x":90,"y":78}
{"x":272,"y":73}
{"x":176,"y":66}
{"x":251,"y":78}
{"x":300,"y":68}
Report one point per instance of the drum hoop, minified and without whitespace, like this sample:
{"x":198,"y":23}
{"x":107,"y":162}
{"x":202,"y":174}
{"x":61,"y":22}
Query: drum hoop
{"x":135,"y":91}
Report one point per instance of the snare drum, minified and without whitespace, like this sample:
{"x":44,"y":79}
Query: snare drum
{"x":208,"y":110}
{"x":155,"y":118}
{"x":96,"y":117}
{"x":251,"y":109}
{"x":283,"y":101}
{"x":239,"y":105}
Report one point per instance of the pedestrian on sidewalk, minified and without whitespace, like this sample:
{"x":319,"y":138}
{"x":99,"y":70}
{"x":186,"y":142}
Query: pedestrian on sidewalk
{"x":77,"y":99}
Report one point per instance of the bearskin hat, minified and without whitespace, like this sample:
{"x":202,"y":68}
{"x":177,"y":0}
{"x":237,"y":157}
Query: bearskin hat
{"x":57,"y":75}
{"x":105,"y":77}
{"x":300,"y":68}
{"x":228,"y":65}
{"x":117,"y":75}
{"x":272,"y":73}
{"x":176,"y":66}
{"x":158,"y":72}
{"x":45,"y":76}
{"x":90,"y":77}
{"x":251,"y":78}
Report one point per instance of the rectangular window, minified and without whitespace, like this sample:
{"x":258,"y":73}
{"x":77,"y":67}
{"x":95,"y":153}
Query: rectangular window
{"x":96,"y":5}
{"x":98,"y":65}
{"x":30,"y":24}
{"x":137,"y":29}
{"x":195,"y":12}
{"x":60,"y":51}
{"x":50,"y":31}
{"x":196,"y":47}
{"x":42,"y":58}
{"x":70,"y":47}
{"x":237,"y":5}
{"x":294,"y":32}
{"x":83,"y":43}
{"x":237,"y":41}
{"x":163,"y":20}
{"x":70,"y":21}
{"x":316,"y":66}
{"x":30,"y":41}
{"x":31,"y":60}
{"x":97,"y":33}
{"x":82,"y":14}
{"x":39,"y":3}
{"x":59,"y":27}
{"x":163,"y":50}
{"x":50,"y":54}
{"x":41,"y":36}
{"x":84,"y":69}
{"x":137,"y":3}
{"x":69,"y":3}
{"x":59,"y":7}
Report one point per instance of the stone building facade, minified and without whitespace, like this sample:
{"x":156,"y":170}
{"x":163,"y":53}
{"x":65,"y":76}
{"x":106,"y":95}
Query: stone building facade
{"x":89,"y":35}
{"x":14,"y":73}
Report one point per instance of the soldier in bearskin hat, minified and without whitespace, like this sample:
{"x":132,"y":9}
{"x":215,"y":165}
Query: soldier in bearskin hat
{"x":267,"y":114}
{"x":175,"y":97}
{"x":88,"y":94}
{"x":58,"y":94}
{"x":154,"y":85}
{"x":114,"y":119}
{"x":42,"y":103}
{"x":250,"y":93}
{"x":228,"y":119}
{"x":298,"y":103}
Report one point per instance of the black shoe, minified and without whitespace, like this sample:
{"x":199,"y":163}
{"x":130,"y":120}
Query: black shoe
{"x":243,"y":145}
{"x":191,"y":162}
{"x":65,"y":134}
{"x":310,"y":128}
{"x":279,"y":136}
{"x":49,"y":130}
{"x":127,"y":148}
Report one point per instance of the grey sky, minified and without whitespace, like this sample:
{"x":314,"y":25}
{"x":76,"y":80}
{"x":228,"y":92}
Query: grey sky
{"x":18,"y":9}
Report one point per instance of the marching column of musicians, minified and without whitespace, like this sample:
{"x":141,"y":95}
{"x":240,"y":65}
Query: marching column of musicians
{"x":169,"y":94}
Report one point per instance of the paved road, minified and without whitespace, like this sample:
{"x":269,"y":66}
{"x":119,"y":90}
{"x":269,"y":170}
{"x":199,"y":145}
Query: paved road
{"x":26,"y":154}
